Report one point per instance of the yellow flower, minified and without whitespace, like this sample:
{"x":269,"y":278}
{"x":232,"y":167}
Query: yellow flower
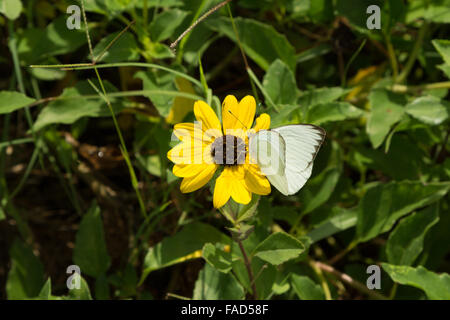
{"x":206,"y":146}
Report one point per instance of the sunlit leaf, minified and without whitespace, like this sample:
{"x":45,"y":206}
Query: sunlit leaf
{"x":11,"y":8}
{"x":306,"y":289}
{"x":279,"y":248}
{"x":333,"y":111}
{"x":260,"y":41}
{"x":164,"y":25}
{"x":429,"y":109}
{"x":11,"y":101}
{"x":436,"y":286}
{"x":280,"y":84}
{"x":387,"y":108}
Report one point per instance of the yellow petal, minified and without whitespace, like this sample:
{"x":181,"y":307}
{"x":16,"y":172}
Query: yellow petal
{"x":206,"y":115}
{"x":242,"y":113}
{"x":262,"y":122}
{"x":187,"y":153}
{"x":184,"y":131}
{"x":193,"y":183}
{"x":188,"y":170}
{"x":239,"y":192}
{"x":231,"y":182}
{"x":221,"y":191}
{"x":255,"y":181}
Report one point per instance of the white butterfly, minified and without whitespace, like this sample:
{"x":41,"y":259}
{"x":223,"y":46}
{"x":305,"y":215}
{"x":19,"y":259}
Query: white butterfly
{"x":286,"y":154}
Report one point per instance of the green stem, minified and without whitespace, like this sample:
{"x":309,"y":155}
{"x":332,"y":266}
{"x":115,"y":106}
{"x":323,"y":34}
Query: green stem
{"x":423,"y":87}
{"x":323,"y":281}
{"x":252,"y":77}
{"x":123,"y":145}
{"x":85,"y":66}
{"x":13,"y":142}
{"x":392,"y":57}
{"x":259,"y":85}
{"x":121,"y":94}
{"x":413,"y":56}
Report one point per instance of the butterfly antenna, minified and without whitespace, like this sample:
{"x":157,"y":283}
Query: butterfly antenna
{"x":238,"y":119}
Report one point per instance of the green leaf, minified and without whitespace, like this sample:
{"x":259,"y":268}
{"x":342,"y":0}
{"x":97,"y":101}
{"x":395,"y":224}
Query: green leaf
{"x":73,"y":106}
{"x":343,"y":220}
{"x":279,"y":248}
{"x":429,"y":109}
{"x":170,"y":251}
{"x":383,"y":204}
{"x":433,"y":11}
{"x":260,"y":41}
{"x":159,"y":81}
{"x":46,"y":291}
{"x":317,"y":96}
{"x":443,"y":47}
{"x":437,"y":287}
{"x":387,"y":108}
{"x":356,"y":12}
{"x":314,"y":52}
{"x":392,"y":11}
{"x":214,"y":285}
{"x":2,"y":214}
{"x":280,"y":84}
{"x":152,"y":163}
{"x":11,"y":8}
{"x":403,"y":161}
{"x":124,"y":49}
{"x":216,"y":257}
{"x":247,"y":211}
{"x":306,"y":289}
{"x":321,"y":10}
{"x":165,"y":24}
{"x":90,"y":252}
{"x":333,"y":111}
{"x":446,"y":69}
{"x":307,"y":100}
{"x":49,"y":74}
{"x":11,"y":101}
{"x":299,"y":8}
{"x":36,"y":45}
{"x":26,"y":276}
{"x":405,"y":243}
{"x":319,"y":189}
{"x":79,"y":294}
{"x":101,"y":288}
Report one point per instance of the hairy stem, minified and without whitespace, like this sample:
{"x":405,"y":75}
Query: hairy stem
{"x":248,"y":265}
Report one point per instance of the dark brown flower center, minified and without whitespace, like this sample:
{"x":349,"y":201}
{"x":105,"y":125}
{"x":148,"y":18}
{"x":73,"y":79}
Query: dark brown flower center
{"x":228,"y":150}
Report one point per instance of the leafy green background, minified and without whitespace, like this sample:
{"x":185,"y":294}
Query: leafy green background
{"x":70,"y":194}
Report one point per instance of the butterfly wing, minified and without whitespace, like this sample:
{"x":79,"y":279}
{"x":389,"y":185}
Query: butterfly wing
{"x":302,"y":144}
